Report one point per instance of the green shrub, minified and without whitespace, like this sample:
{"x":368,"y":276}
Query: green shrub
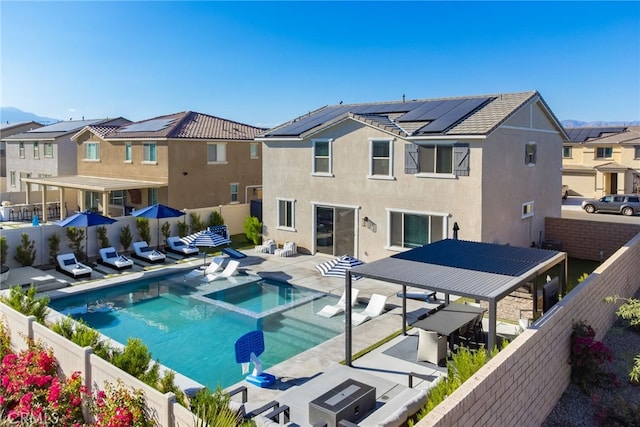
{"x":4,"y":250}
{"x":78,"y":332}
{"x":102,"y":236}
{"x":630,"y":310}
{"x":54,"y":247}
{"x":166,"y":231}
{"x":75,"y":236}
{"x":183,"y":229}
{"x":253,"y":229}
{"x":26,"y":252}
{"x":212,"y":409}
{"x":5,"y":340}
{"x":125,"y":237}
{"x":27,"y":303}
{"x":634,"y":375}
{"x":215,"y":218}
{"x":196,"y":223}
{"x":142,"y":224}
{"x":133,"y":359}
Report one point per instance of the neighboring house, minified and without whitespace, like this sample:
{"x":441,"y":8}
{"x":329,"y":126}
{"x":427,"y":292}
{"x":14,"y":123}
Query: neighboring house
{"x":45,"y":152}
{"x":184,"y":160}
{"x":369,"y":179}
{"x":601,"y":160}
{"x":8,"y":129}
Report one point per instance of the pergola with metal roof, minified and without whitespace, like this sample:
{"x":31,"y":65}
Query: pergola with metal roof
{"x":481,"y":271}
{"x":104,"y":186}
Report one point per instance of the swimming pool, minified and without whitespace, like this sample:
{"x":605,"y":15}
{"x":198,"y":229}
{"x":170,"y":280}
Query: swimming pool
{"x":192,"y":327}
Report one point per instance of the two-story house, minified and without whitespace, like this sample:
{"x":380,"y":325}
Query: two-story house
{"x":369,"y":179}
{"x":601,"y":160}
{"x":184,"y":160}
{"x":8,"y":129}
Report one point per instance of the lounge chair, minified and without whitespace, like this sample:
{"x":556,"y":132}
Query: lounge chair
{"x":69,"y":265}
{"x":146,"y":253}
{"x":332,"y":310}
{"x":374,"y":308}
{"x":228,"y":271}
{"x":177,"y":246}
{"x":214,"y":267}
{"x":234,"y":253}
{"x":110,"y":257}
{"x":288,"y":249}
{"x":267,"y":247}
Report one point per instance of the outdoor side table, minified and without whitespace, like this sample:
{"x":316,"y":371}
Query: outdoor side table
{"x":350,"y":400}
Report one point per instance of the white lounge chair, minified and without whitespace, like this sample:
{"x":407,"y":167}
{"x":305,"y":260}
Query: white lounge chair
{"x":110,"y":257}
{"x":332,"y":310}
{"x":69,"y":265}
{"x":228,"y":271}
{"x":288,"y":249}
{"x":212,"y":268}
{"x":176,"y":245}
{"x":267,"y":247}
{"x":374,"y":308}
{"x":146,"y":253}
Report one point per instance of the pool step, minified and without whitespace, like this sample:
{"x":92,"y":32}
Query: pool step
{"x":175,"y":298}
{"x":303,"y":333}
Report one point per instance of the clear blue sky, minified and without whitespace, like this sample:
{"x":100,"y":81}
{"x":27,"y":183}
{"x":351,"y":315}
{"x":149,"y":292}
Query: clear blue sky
{"x":264,"y":63}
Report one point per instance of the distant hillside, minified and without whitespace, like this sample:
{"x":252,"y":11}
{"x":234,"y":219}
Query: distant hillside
{"x":16,"y":115}
{"x":579,"y":124}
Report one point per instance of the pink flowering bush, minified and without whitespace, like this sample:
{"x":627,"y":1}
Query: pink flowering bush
{"x":587,"y":357}
{"x":117,"y":407}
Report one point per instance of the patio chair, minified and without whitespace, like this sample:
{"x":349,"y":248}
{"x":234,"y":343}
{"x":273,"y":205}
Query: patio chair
{"x":288,"y":249}
{"x":332,"y":310}
{"x":111,"y":258}
{"x":213,"y":267}
{"x":69,"y":265}
{"x":228,"y":271}
{"x":267,"y":247}
{"x":432,"y":347}
{"x":143,"y":251}
{"x":177,"y":246}
{"x":375,"y":307}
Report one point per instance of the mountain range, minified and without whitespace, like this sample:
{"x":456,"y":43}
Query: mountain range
{"x":15,"y":115}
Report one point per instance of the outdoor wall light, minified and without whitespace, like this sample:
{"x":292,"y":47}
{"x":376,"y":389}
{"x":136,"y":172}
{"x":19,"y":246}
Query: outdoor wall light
{"x":365,"y":221}
{"x":185,"y":173}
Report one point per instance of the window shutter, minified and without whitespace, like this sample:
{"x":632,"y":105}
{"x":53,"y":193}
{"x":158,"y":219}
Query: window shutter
{"x":461,"y":154}
{"x":411,"y":165}
{"x":535,"y":153}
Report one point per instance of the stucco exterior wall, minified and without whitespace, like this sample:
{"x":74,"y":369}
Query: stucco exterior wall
{"x":521,"y":385}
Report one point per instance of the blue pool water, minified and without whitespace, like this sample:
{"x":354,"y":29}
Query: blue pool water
{"x":192,"y":327}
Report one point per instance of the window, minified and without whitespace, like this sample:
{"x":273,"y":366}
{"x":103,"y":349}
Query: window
{"x":127,"y":152}
{"x":381,"y":158}
{"x":254,"y":150}
{"x":286,"y":214}
{"x":636,"y":151}
{"x":117,"y":198}
{"x":530,"y":153}
{"x":234,"y":193}
{"x":149,"y":152}
{"x":527,"y":210}
{"x":12,"y":178}
{"x":216,"y":153}
{"x":604,"y":152}
{"x":92,"y":201}
{"x":48,"y":149}
{"x":435,"y":159}
{"x":21,"y":150}
{"x":152,"y":196}
{"x":322,"y":157}
{"x":414,"y":229}
{"x":566,"y":152}
{"x":91,"y":151}
{"x":36,"y":150}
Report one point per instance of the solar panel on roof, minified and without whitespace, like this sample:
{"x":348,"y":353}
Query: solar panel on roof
{"x":452,"y":113}
{"x":584,"y":134}
{"x":148,"y":126}
{"x":67,"y":126}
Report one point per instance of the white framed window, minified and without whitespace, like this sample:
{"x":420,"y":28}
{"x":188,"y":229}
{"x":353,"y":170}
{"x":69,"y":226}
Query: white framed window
{"x":152,"y":196}
{"x":636,"y":151}
{"x":21,"y":150}
{"x":117,"y":198}
{"x":12,"y":178}
{"x":216,"y":152}
{"x":149,"y":153}
{"x":567,"y":152}
{"x":527,"y":210}
{"x":530,"y":153}
{"x":253,"y":147}
{"x":381,"y":161}
{"x":36,"y":150}
{"x":604,"y":152}
{"x":127,"y":152}
{"x":91,"y":151}
{"x":435,"y":159}
{"x":286,"y":214}
{"x":409,"y":229}
{"x":322,"y":161}
{"x":234,"y":192}
{"x":48,"y":149}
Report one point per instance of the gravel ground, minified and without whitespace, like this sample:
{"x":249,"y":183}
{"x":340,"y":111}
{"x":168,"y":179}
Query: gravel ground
{"x":577,"y":409}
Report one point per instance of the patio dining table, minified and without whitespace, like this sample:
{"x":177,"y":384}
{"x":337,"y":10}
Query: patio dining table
{"x":449,"y":319}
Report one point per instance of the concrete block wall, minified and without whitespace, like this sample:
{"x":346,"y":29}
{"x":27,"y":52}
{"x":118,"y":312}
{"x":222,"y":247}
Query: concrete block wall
{"x":521,"y":385}
{"x":593,"y":240}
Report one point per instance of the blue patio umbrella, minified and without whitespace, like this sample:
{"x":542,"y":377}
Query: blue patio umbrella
{"x":338,"y":267}
{"x":158,"y":211}
{"x":85,"y":219}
